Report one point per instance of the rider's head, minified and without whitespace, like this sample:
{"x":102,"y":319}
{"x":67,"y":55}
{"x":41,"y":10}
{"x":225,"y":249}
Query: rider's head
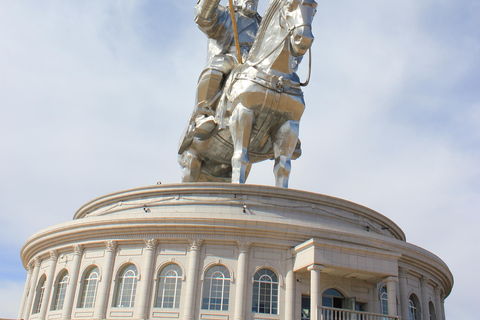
{"x":247,"y":7}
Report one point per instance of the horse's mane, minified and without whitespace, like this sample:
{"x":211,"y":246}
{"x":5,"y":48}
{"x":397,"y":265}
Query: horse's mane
{"x":271,"y":11}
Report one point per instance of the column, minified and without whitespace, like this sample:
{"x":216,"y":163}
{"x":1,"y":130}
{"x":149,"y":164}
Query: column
{"x":106,"y":279}
{"x":290,"y":283}
{"x":241,"y":286}
{"x":27,"y":311}
{"x":438,"y":304}
{"x":424,"y":292}
{"x":142,"y":301}
{"x":402,"y":274}
{"x":25,"y":290}
{"x":315,"y":293}
{"x":72,"y":282}
{"x":392,"y":295}
{"x":192,"y":276}
{"x":48,"y":284}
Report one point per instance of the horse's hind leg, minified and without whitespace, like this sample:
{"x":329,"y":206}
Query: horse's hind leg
{"x":241,"y":123}
{"x":283,"y":146}
{"x":191,"y":166}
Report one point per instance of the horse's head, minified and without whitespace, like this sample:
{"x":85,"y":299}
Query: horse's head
{"x":298,"y":15}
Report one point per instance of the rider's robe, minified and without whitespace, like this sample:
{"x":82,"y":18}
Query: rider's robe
{"x":215,"y":21}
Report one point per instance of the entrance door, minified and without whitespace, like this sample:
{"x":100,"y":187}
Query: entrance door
{"x":305,"y":307}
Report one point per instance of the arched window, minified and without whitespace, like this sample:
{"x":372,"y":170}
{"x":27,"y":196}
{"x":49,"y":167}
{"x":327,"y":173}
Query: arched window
{"x":126,"y":287}
{"x":169,"y":287}
{"x":412,"y":308}
{"x":265,"y":292}
{"x":39,"y":295}
{"x":384,"y":300}
{"x":333,"y":299}
{"x":216,"y":288}
{"x":60,"y":290}
{"x":431,"y":309}
{"x":89,"y":289}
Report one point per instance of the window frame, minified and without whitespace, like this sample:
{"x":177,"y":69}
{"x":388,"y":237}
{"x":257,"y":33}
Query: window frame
{"x":212,"y":283}
{"x":162,"y":286}
{"x":122,"y":291}
{"x":39,"y":294}
{"x":270,"y":288}
{"x":384,"y":300}
{"x":413,"y":312}
{"x":61,"y":284}
{"x":85,"y":292}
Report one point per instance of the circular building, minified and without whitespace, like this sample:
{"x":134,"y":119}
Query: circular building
{"x":229,"y":251}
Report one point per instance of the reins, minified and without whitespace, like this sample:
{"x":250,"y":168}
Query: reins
{"x":289,"y":33}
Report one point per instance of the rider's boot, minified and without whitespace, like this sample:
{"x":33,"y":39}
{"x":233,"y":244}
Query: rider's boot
{"x":209,"y":85}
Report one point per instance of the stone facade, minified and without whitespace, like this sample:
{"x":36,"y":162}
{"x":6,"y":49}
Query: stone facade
{"x":226,"y":251}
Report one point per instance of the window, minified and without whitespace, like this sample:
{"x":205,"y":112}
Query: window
{"x":431,"y":310}
{"x":305,"y":308}
{"x":89,"y":289}
{"x":126,"y":287}
{"x":384,"y":301}
{"x":265,"y":292}
{"x":333,"y":299}
{"x":216,"y":288}
{"x":169,"y":287}
{"x":412,"y":308}
{"x":60,"y":290}
{"x":39,"y":295}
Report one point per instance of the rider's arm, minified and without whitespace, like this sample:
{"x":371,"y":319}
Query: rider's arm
{"x":207,"y":15}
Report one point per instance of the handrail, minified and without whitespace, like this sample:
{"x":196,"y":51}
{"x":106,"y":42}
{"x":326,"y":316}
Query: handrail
{"x":327,"y":313}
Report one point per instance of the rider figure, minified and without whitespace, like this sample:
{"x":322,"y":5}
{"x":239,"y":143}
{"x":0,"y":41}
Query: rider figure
{"x":215,"y":21}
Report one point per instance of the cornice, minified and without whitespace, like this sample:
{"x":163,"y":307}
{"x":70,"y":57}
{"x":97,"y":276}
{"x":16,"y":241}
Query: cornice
{"x":313,"y":201}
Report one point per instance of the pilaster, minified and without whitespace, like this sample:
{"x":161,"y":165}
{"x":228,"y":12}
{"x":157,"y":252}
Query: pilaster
{"x":424,"y":291}
{"x":438,"y":303}
{"x":106,"y":279}
{"x":402,"y":275}
{"x":33,"y":284}
{"x":72,"y":283}
{"x":48,"y":284}
{"x":142,"y":300}
{"x":192,"y":276}
{"x":241,"y":286}
{"x":392,"y":295}
{"x":25,"y":290}
{"x":290,"y":284}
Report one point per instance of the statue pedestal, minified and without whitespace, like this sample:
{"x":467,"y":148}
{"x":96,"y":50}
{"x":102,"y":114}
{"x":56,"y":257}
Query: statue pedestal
{"x":234,"y":251}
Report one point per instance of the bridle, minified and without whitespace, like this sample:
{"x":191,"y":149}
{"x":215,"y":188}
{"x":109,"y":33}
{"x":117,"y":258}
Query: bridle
{"x":288,"y":34}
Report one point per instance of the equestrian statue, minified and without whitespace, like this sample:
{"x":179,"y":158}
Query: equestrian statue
{"x":249,"y":99}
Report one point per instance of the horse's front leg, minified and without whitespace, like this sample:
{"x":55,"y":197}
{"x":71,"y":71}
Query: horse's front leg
{"x":241,"y":123}
{"x":283,"y":146}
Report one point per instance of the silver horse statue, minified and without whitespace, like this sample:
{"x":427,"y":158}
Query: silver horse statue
{"x":261,"y":104}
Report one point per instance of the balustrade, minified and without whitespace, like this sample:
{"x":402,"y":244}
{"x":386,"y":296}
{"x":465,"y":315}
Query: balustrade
{"x":344,"y":314}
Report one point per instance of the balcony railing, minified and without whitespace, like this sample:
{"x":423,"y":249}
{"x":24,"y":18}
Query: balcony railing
{"x":344,"y":314}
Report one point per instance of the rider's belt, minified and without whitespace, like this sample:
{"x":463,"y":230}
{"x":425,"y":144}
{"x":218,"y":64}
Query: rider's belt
{"x":272,"y":82}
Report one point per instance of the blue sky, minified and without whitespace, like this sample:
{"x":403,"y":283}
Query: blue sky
{"x":94,"y":96}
